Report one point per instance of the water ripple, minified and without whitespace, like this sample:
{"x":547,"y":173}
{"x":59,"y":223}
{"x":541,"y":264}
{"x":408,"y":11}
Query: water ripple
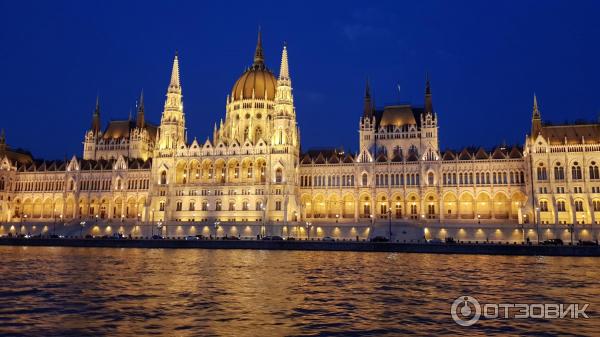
{"x":132,"y":292}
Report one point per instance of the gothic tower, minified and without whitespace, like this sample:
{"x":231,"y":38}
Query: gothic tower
{"x":429,"y":128}
{"x":285,"y":143}
{"x":367,"y":127}
{"x":172,"y":124}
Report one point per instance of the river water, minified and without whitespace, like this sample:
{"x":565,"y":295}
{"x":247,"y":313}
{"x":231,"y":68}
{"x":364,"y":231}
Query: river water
{"x":187,"y":292}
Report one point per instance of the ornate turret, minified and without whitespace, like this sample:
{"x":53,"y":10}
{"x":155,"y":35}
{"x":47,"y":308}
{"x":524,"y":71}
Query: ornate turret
{"x":140,"y":120}
{"x":2,"y":140}
{"x":428,"y":100}
{"x":259,"y":59}
{"x":96,"y":126}
{"x":536,"y":119}
{"x":172,"y":124}
{"x":368,"y":107}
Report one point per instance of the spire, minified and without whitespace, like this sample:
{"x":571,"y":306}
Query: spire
{"x":428,"y":100}
{"x":284,"y":70}
{"x":96,"y":117}
{"x":2,"y":140}
{"x":140,"y":119}
{"x":536,"y":118}
{"x":536,"y":111}
{"x":368,"y":108}
{"x":259,"y":59}
{"x":175,"y":84}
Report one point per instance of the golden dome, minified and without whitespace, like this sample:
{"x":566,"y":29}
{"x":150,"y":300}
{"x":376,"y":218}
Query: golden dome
{"x":257,"y":79}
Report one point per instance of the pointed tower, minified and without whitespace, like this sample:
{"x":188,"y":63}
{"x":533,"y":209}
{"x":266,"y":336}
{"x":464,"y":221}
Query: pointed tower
{"x":536,"y":119}
{"x":284,"y":121}
{"x":368,"y":105}
{"x":96,"y":117}
{"x":367,"y":127}
{"x":428,"y":101}
{"x":429,"y":129}
{"x":172,"y":124}
{"x":92,"y":136}
{"x":140,"y":121}
{"x":2,"y":140}
{"x":286,"y":144}
{"x":259,"y":59}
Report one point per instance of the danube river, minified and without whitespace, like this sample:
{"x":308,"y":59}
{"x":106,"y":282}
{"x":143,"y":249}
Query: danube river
{"x":188,"y":292}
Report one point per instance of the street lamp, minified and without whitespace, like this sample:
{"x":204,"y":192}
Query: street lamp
{"x":537,"y":223}
{"x":478,"y":218}
{"x":571,"y":229}
{"x":264,"y":210}
{"x":81,"y":224}
{"x":337,"y":217}
{"x":216,"y":228}
{"x":159,"y":228}
{"x":390,"y":223}
{"x":308,"y":226}
{"x":21,"y":228}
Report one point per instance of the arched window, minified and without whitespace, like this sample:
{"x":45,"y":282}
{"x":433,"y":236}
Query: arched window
{"x":541,"y":172}
{"x":430,"y":178}
{"x":365,"y":179}
{"x":559,"y":172}
{"x":594,"y":173}
{"x":578,"y":206}
{"x":163,"y":178}
{"x":560,"y":206}
{"x":576,"y":171}
{"x":596,"y":205}
{"x":278,"y":176}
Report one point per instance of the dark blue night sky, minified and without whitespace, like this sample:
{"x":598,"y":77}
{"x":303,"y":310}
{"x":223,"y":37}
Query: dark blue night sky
{"x":485,"y":62}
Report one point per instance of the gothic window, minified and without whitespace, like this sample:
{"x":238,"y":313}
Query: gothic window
{"x":560,"y":206}
{"x":218,"y":205}
{"x":163,"y":178}
{"x":232,"y":206}
{"x":576,"y":171}
{"x":559,"y":172}
{"x":192,"y":205}
{"x":245,"y":205}
{"x":398,"y":210}
{"x":541,"y":172}
{"x":179,"y":206}
{"x":278,"y":205}
{"x":543,"y":206}
{"x":161,"y":206}
{"x":365,"y":179}
{"x":278,"y":176}
{"x":431,"y":209}
{"x":430,"y":178}
{"x":578,"y":206}
{"x":205,"y":206}
{"x":594,"y":174}
{"x":596,"y":205}
{"x":413,"y":209}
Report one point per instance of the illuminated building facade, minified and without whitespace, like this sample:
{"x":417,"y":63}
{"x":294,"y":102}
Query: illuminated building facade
{"x":251,"y":175}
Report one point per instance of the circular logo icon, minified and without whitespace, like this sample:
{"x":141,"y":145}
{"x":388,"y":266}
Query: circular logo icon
{"x":465,"y":310}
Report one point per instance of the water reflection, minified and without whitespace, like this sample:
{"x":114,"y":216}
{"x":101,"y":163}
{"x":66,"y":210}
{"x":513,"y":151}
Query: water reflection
{"x":126,"y":292}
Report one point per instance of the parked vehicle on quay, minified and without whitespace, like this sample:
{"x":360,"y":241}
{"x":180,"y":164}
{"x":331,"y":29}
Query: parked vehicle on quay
{"x":328,"y":239}
{"x":379,"y":239}
{"x":552,"y":242}
{"x":273,"y":238}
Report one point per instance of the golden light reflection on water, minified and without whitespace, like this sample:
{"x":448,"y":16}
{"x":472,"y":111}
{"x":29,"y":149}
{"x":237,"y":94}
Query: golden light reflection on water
{"x":127,"y":292}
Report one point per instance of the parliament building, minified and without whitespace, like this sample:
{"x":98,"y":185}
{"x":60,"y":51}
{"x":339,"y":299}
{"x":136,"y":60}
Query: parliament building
{"x":252,"y":177}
